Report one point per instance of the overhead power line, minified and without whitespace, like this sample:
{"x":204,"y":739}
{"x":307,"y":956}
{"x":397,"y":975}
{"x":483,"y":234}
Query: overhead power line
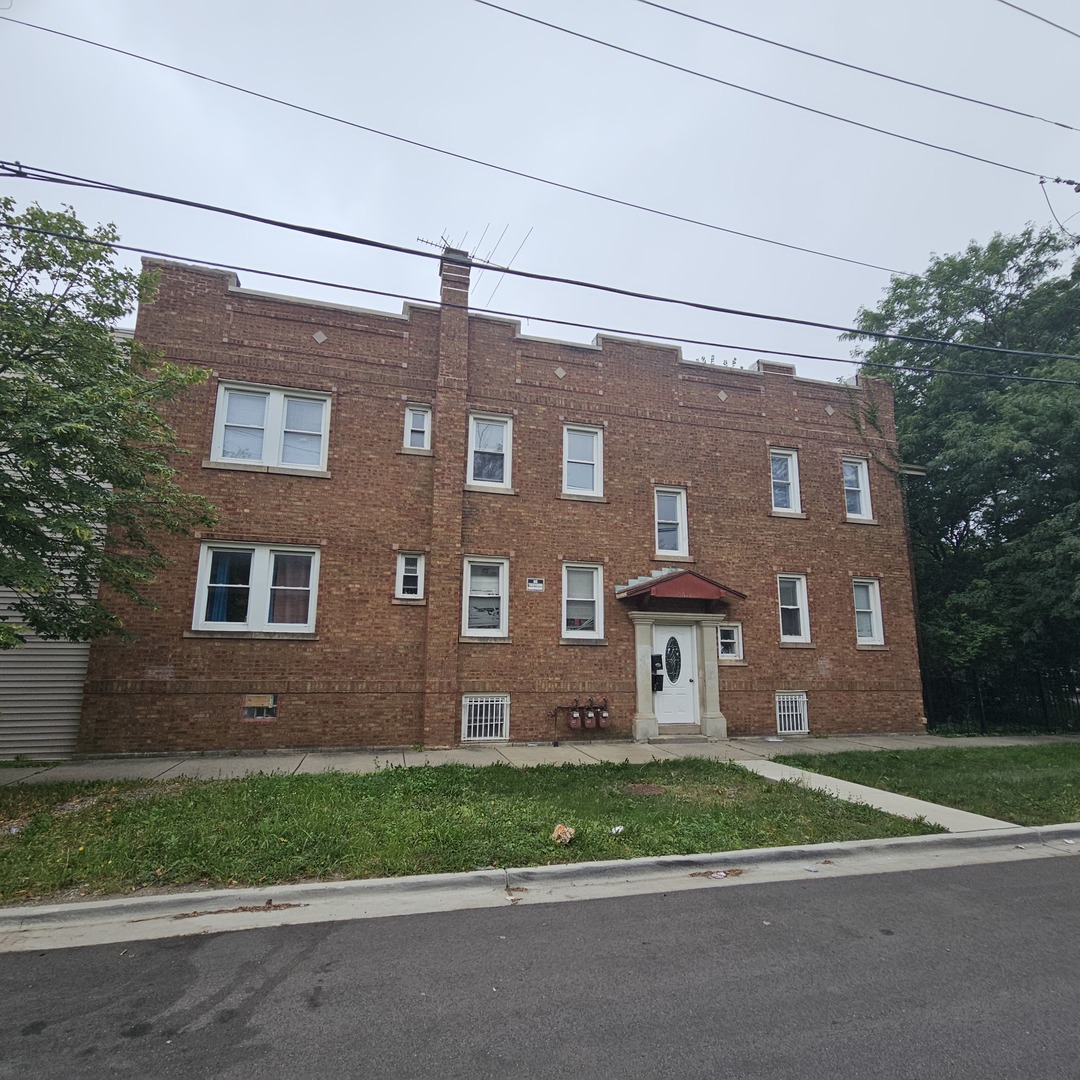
{"x":1024,"y":11}
{"x":505,"y":169}
{"x":15,"y":170}
{"x":856,"y":67}
{"x":761,"y":93}
{"x":623,"y":332}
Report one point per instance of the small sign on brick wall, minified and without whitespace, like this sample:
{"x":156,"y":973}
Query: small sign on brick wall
{"x":534,"y":584}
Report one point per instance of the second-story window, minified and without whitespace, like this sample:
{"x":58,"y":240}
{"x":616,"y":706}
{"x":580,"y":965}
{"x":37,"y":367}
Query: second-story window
{"x":489,"y":450}
{"x":583,"y":460}
{"x":857,"y":488}
{"x":784,"y":469}
{"x":256,"y":425}
{"x":418,"y":427}
{"x":671,"y":530}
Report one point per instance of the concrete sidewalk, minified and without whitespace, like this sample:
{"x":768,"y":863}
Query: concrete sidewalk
{"x":754,"y":753}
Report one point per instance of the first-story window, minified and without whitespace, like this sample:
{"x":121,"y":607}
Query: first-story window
{"x":857,"y":488}
{"x":266,"y":426}
{"x":484,"y":600}
{"x":671,"y":531}
{"x":409,"y":584}
{"x":794,"y":613}
{"x":490,"y":439}
{"x":784,"y":470}
{"x":418,"y":427}
{"x":583,"y":601}
{"x":729,"y":641}
{"x":868,"y":629}
{"x":256,"y":587}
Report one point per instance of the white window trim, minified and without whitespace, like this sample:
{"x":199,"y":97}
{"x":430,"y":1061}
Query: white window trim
{"x":259,"y":586}
{"x":598,"y":464}
{"x":864,"y":488}
{"x":793,"y":468}
{"x":598,"y":599}
{"x":494,"y":418}
{"x":800,"y":712}
{"x":683,"y":549}
{"x":485,"y":699}
{"x":803,"y":606}
{"x":274,"y":429}
{"x":399,"y":580}
{"x":415,"y":407}
{"x":504,"y":595}
{"x":728,"y":658}
{"x":878,"y":635}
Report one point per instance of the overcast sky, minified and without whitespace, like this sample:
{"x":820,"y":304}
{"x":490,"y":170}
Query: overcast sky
{"x":466,"y":78}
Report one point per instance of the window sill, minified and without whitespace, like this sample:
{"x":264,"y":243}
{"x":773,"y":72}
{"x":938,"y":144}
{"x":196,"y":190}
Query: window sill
{"x":493,"y":490}
{"x":478,"y":640}
{"x":416,"y":451}
{"x":662,"y":558}
{"x":872,"y":648}
{"x":861,"y":521}
{"x":252,"y":635}
{"x":280,"y":470}
{"x":797,"y":514}
{"x":582,"y":641}
{"x":571,"y":497}
{"x":725,"y":661}
{"x":797,"y":645}
{"x":410,"y":601}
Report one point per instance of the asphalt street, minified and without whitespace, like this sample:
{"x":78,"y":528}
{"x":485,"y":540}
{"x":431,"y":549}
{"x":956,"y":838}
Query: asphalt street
{"x":947,"y":973}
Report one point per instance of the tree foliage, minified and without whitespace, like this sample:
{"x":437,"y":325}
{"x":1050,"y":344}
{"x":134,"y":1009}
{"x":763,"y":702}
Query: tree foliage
{"x":83,"y":450}
{"x":996,"y":522}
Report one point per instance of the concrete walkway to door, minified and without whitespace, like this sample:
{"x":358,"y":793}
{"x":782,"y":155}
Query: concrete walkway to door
{"x":753,"y":753}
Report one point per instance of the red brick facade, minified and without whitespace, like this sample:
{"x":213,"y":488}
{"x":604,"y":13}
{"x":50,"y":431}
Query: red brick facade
{"x":375,"y":670}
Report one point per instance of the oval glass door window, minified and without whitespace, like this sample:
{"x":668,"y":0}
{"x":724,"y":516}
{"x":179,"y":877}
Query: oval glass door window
{"x":673,"y":660}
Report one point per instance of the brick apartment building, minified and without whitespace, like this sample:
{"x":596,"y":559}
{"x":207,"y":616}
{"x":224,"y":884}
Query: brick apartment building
{"x":434,"y":529}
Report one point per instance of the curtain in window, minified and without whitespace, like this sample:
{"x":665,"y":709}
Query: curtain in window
{"x":290,"y":589}
{"x":229,"y":586}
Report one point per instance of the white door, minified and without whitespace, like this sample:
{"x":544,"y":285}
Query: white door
{"x":677,"y":703}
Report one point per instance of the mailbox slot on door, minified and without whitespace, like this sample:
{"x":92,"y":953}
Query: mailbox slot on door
{"x":657,"y":671}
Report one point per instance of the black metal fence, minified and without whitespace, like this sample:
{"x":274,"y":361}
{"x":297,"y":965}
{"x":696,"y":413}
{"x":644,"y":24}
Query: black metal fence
{"x":1031,"y":702}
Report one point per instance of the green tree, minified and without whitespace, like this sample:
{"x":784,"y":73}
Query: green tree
{"x":996,"y":521}
{"x":83,"y":450}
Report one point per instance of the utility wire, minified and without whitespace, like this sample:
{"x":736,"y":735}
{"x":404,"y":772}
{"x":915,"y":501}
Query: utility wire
{"x":505,"y":169}
{"x":762,"y":94}
{"x":1024,"y":11}
{"x":856,"y":67}
{"x":15,"y":170}
{"x":518,"y":316}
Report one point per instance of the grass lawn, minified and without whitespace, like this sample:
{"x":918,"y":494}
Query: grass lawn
{"x":1028,"y":785}
{"x":110,"y":837}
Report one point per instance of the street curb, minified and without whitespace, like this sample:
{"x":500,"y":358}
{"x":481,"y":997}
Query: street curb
{"x":136,"y":909}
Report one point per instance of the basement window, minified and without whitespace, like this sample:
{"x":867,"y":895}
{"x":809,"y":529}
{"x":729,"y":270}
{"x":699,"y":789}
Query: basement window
{"x":485,"y":717}
{"x":259,"y":707}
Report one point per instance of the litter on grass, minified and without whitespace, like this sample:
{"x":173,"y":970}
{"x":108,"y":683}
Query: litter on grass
{"x":563,"y":834}
{"x":616,"y":829}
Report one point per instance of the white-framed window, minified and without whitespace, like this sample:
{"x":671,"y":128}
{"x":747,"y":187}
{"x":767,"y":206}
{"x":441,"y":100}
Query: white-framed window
{"x":484,"y":598}
{"x":583,"y":460}
{"x":259,"y":425}
{"x":490,"y":442}
{"x":583,"y":601}
{"x":867,"y":596}
{"x":485,"y":717}
{"x":417,"y":427}
{"x":729,"y":641}
{"x":409,"y":582}
{"x":857,"y":488}
{"x":794,"y":613}
{"x":784,"y":471}
{"x":671,"y":530}
{"x":256,"y":587}
{"x":791,"y":717}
